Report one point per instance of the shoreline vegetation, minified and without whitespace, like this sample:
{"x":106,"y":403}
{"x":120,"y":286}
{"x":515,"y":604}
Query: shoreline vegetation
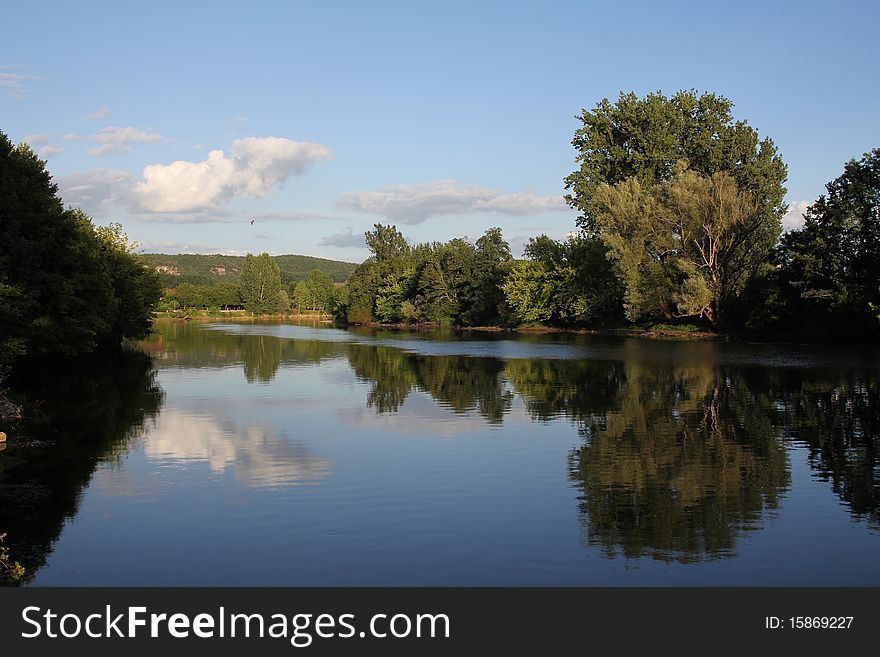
{"x":678,"y":235}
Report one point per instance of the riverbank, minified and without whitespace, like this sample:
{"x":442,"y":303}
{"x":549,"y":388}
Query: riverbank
{"x":655,"y":333}
{"x":236,"y":315}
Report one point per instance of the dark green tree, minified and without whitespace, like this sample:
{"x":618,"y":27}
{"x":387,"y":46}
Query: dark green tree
{"x":135,"y":287}
{"x":832,"y":265}
{"x":66,"y":287}
{"x":259,"y":284}
{"x":485,"y":298}
{"x":646,"y":137}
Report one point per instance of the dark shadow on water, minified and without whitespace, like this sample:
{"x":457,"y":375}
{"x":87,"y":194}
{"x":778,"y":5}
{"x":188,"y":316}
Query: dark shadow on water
{"x":84,"y":412}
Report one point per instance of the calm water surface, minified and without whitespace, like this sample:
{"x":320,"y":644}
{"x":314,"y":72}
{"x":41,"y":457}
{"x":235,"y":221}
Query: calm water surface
{"x":277,"y":454}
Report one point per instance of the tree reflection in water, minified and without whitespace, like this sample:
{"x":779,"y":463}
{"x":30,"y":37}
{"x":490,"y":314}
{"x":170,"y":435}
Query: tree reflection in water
{"x":679,"y":457}
{"x":677,"y":462}
{"x":85,"y":412}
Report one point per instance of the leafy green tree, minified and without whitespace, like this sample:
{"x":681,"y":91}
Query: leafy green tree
{"x":136,"y":288}
{"x":283,"y":301}
{"x":832,"y":264}
{"x":66,"y":287}
{"x":483,"y":301}
{"x":188,"y":295}
{"x":529,"y":290}
{"x":302,"y":296}
{"x":646,"y":137}
{"x":564,"y":283}
{"x":260,"y":284}
{"x":393,"y":293}
{"x":321,"y":290}
{"x":686,"y":247}
{"x":445,"y":272}
{"x":387,"y":243}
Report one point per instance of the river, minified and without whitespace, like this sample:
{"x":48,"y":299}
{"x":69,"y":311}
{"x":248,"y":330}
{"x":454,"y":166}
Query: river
{"x":280,"y":454}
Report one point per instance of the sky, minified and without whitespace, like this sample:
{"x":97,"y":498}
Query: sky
{"x":185,"y":121}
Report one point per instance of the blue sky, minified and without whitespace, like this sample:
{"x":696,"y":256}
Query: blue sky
{"x":184,"y":121}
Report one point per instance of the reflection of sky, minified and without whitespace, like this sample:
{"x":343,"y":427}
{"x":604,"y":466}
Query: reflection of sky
{"x":256,"y":453}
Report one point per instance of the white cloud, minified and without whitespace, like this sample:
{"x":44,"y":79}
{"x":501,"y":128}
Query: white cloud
{"x":97,"y":190}
{"x":343,"y":238}
{"x":794,"y":218}
{"x":100,"y":114}
{"x":257,"y":165}
{"x":413,"y":204}
{"x":113,"y":139}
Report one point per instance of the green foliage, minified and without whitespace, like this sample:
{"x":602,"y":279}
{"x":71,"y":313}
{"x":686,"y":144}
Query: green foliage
{"x":564,"y":283}
{"x":683,"y":248}
{"x":387,"y":243}
{"x":483,"y":298}
{"x":187,"y":295}
{"x":283,"y":301}
{"x":315,"y":294}
{"x":67,"y":287}
{"x":456,"y":282}
{"x":646,"y":137}
{"x":260,"y":284}
{"x":831,"y":266}
{"x":529,"y":289}
{"x":392,"y":293}
{"x":135,"y":288}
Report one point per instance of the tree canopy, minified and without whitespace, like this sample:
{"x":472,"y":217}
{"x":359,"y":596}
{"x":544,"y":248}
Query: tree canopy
{"x":260,"y":284}
{"x":647,"y":137}
{"x":686,"y":247}
{"x":832,"y":264}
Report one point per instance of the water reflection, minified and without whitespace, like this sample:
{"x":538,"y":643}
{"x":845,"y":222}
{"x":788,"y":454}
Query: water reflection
{"x":87,"y":412}
{"x":681,"y":465}
{"x":838,"y":418}
{"x":460,"y":383}
{"x":256,"y":454}
{"x":683,"y":448}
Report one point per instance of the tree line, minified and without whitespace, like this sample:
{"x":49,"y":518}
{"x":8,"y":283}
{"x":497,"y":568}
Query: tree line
{"x":260,"y":290}
{"x":680,"y":222}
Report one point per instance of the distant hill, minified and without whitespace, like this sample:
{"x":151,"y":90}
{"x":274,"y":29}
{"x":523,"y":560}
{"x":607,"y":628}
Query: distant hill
{"x":202,"y":269}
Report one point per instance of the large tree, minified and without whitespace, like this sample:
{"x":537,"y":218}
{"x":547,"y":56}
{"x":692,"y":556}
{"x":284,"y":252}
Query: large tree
{"x":832,"y":264}
{"x":260,"y":284}
{"x":683,"y":248}
{"x":646,"y":137}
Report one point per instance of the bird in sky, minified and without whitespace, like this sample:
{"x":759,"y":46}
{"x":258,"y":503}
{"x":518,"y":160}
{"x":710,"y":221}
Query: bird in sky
{"x":252,"y":222}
